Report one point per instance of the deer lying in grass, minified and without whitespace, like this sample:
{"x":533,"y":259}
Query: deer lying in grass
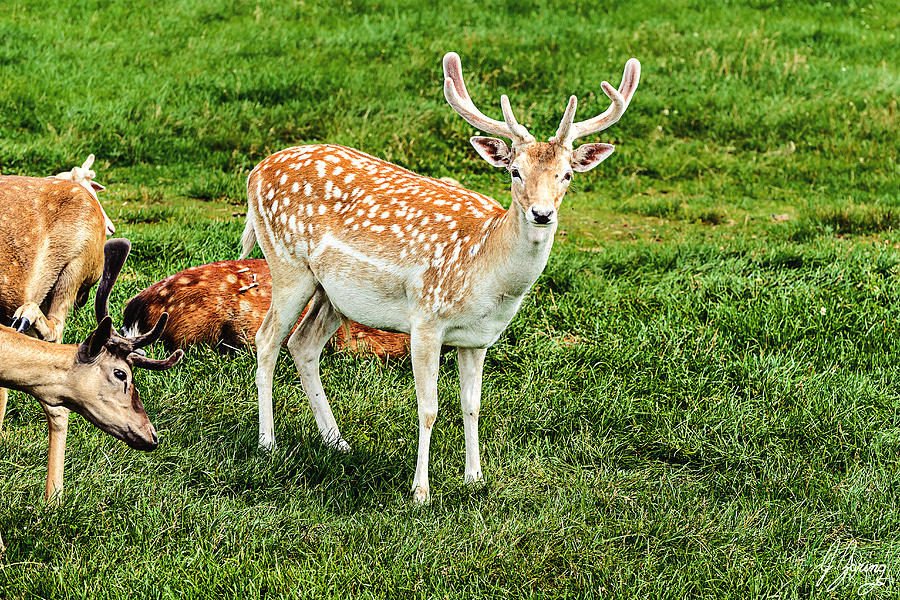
{"x":223,"y":304}
{"x":93,"y":378}
{"x":394,"y":250}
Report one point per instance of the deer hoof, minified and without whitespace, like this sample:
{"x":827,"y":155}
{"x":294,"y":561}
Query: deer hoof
{"x":267,"y":444}
{"x":340,"y":445}
{"x":421,"y":495}
{"x":20,"y":324}
{"x":474,"y":478}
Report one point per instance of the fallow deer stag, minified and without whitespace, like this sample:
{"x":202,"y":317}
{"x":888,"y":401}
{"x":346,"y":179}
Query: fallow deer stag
{"x":398,"y":251}
{"x":93,"y":378}
{"x":223,"y":304}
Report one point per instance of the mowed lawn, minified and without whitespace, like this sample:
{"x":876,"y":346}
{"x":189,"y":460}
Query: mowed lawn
{"x":698,"y":399}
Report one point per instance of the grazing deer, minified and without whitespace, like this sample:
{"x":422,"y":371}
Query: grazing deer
{"x":51,"y":254}
{"x":93,"y":378}
{"x":223,"y":304}
{"x":398,"y":251}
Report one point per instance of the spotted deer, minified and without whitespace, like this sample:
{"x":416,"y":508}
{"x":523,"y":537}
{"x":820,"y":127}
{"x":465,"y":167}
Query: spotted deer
{"x":394,"y":250}
{"x":93,"y":378}
{"x":223,"y":304}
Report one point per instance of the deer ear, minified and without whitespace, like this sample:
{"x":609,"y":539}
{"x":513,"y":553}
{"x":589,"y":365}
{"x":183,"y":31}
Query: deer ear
{"x":493,"y":150}
{"x":97,"y":187}
{"x":93,"y":345}
{"x":588,"y":156}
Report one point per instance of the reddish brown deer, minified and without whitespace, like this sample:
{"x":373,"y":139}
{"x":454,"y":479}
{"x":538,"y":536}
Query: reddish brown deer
{"x":394,"y":250}
{"x":93,"y":378}
{"x":223,"y":304}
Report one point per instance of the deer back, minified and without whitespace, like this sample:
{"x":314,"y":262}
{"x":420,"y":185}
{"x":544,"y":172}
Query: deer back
{"x":45,"y":225}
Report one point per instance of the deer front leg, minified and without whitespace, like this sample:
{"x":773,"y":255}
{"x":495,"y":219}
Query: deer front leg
{"x":425,"y":348}
{"x":29,"y":316}
{"x":471,"y":364}
{"x":57,"y":427}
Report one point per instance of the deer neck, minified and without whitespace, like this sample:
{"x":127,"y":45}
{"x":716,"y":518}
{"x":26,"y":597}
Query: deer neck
{"x":516,"y":252}
{"x":37,"y":368}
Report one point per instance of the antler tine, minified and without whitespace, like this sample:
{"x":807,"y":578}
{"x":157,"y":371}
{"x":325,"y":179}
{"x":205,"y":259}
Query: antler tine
{"x":620,"y":100}
{"x":114,"y":254}
{"x":510,"y":118}
{"x":562,"y":132}
{"x":458,"y":97}
{"x":151,"y":336}
{"x":152,"y":364}
{"x":148,"y":338}
{"x":87,"y":163}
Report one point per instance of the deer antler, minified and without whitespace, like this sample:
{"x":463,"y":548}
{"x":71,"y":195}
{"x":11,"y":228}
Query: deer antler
{"x":458,"y":97}
{"x":568,"y":131}
{"x":84,"y":176}
{"x":115,"y":252}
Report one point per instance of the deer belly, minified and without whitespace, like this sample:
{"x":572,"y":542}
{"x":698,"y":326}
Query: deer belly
{"x":369,"y":306}
{"x":364,"y":288}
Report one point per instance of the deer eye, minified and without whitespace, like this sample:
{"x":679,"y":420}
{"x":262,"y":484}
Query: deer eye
{"x":515,"y":173}
{"x":120,"y":374}
{"x":568,"y":176}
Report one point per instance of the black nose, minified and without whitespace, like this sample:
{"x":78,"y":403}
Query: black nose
{"x":541,"y":217}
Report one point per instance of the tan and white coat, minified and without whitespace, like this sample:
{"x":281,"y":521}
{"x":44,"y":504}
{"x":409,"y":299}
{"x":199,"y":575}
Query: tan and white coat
{"x":394,"y":250}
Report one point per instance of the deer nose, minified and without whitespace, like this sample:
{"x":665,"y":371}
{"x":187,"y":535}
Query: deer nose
{"x":541,"y":216}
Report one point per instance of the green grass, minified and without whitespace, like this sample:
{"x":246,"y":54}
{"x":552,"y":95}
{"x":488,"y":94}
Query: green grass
{"x":696,"y":400}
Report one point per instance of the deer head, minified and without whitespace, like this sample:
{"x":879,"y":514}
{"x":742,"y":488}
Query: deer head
{"x":540,"y":171}
{"x":100,"y":383}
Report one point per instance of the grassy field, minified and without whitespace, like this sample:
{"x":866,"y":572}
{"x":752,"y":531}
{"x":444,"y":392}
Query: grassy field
{"x":698,"y":399}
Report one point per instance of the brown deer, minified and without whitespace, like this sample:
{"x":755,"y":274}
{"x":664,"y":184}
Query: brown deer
{"x":223,"y":304}
{"x":378,"y":244}
{"x":93,"y":378}
{"x":52,"y":231}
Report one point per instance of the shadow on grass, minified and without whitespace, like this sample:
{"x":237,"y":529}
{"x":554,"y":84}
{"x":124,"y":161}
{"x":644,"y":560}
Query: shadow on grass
{"x":302,"y":465}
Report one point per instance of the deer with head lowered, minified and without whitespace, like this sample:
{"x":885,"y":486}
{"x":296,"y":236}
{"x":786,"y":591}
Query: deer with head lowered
{"x":93,"y":378}
{"x":375,"y":243}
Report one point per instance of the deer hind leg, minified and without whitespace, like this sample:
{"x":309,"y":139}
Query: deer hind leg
{"x":57,"y":427}
{"x":425,"y":347}
{"x":289,"y":296}
{"x":471,"y":364}
{"x":61,"y":298}
{"x":30,"y":316}
{"x":305,"y":344}
{"x":4,"y":393}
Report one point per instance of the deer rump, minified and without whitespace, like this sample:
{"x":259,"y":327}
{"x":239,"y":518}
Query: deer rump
{"x":223,"y":304}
